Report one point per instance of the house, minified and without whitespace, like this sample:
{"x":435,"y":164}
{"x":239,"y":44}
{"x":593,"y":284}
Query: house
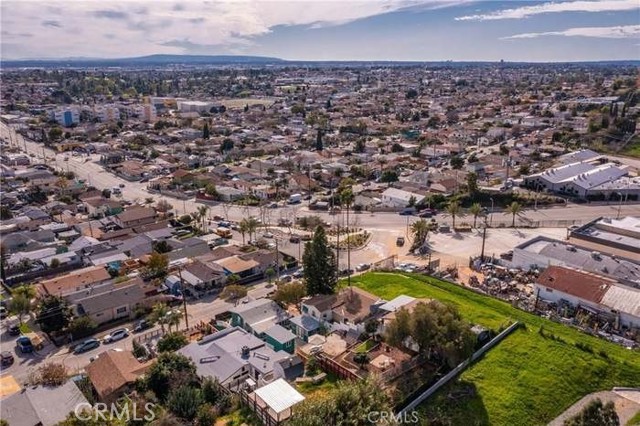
{"x":593,"y":292}
{"x":108,"y":302}
{"x":280,"y":338}
{"x":346,"y":310}
{"x":258,"y":316}
{"x":42,"y":405}
{"x":304,"y":326}
{"x":113,"y":373}
{"x":75,"y":281}
{"x":203,"y":276}
{"x":400,"y":198}
{"x":232,"y":356}
{"x":135,"y":216}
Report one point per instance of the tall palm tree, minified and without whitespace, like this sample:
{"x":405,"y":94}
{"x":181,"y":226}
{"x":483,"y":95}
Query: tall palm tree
{"x":252,"y":226}
{"x":159,"y":314}
{"x":475,"y":210}
{"x":202,"y":211}
{"x":454,"y":210}
{"x":173,"y":319}
{"x":514,"y":209}
{"x":244,"y":228}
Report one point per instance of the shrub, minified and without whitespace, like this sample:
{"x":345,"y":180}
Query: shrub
{"x":52,"y":374}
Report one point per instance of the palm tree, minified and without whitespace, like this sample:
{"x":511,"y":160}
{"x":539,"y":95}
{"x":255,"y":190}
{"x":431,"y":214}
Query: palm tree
{"x":475,"y":210}
{"x":454,"y":210}
{"x":159,"y":314}
{"x":244,"y":228}
{"x":202,"y":211}
{"x":173,"y":319}
{"x":420,"y":230}
{"x":252,"y":226}
{"x":514,"y":209}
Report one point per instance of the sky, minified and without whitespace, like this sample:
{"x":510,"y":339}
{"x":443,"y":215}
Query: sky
{"x":396,"y":30}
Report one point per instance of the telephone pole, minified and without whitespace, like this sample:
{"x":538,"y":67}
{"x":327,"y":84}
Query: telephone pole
{"x":184,"y":298}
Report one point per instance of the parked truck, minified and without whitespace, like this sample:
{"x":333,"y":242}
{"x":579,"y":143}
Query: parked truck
{"x":295,"y":198}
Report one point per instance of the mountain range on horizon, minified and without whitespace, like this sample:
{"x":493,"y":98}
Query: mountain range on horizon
{"x":176,"y":59}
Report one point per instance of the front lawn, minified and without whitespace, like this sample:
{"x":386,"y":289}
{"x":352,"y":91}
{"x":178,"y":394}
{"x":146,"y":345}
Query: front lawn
{"x":528,"y":379}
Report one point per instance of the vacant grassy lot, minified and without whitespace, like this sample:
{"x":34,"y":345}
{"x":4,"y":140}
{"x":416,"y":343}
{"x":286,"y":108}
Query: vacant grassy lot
{"x":527,"y":379}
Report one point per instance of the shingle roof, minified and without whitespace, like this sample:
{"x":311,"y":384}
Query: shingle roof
{"x":76,"y":280}
{"x":112,"y":370}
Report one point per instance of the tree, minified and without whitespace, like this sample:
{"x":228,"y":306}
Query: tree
{"x":173,"y":318}
{"x":412,"y":201}
{"x":206,"y":415}
{"x":55,"y":133}
{"x":411,"y":94}
{"x":319,"y":144}
{"x":472,"y":183}
{"x":454,"y":210}
{"x":52,"y":374}
{"x":270,"y":273}
{"x":475,"y":210}
{"x":53,"y":314}
{"x":82,"y":327}
{"x":233,"y":292}
{"x":290,"y":293}
{"x":360,"y":146}
{"x":456,"y":162}
{"x":347,"y":404}
{"x":514,"y":209}
{"x":184,"y":402}
{"x":20,"y":306}
{"x":319,"y":265}
{"x":396,"y":147}
{"x":398,"y":329}
{"x":161,"y":246}
{"x":5,"y":213}
{"x":211,"y":190}
{"x":163,"y":206}
{"x":169,"y":372}
{"x":171,"y":342}
{"x":244,"y":229}
{"x":205,"y":131}
{"x":202,"y":213}
{"x":55,"y":262}
{"x":227,"y":145}
{"x":211,"y":392}
{"x":595,"y":414}
{"x":157,"y":266}
{"x":420,"y":231}
{"x":389,"y":176}
{"x":159,"y":314}
{"x":185,"y":219}
{"x":250,"y":225}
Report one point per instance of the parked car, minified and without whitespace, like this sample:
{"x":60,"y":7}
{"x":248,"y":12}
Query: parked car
{"x":286,"y":279}
{"x":86,"y":346}
{"x":14,"y":330}
{"x":294,"y":239}
{"x":121,"y":185}
{"x":267,"y":235}
{"x":363,"y":267}
{"x":3,"y":312}
{"x":116,"y":335}
{"x":299,"y":273}
{"x":400,"y":241}
{"x":6,"y":358}
{"x":141,"y":326}
{"x":24,"y":344}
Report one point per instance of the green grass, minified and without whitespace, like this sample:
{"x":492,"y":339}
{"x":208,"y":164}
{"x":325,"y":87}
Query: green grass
{"x":365,"y":346}
{"x":635,"y":420}
{"x":527,"y":379}
{"x":632,"y":149}
{"x":24,"y":328}
{"x":326,"y":385}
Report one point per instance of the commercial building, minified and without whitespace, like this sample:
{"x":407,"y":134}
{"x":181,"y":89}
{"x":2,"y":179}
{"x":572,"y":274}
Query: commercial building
{"x":541,"y":252}
{"x":66,"y":117}
{"x":620,"y":237}
{"x":194,"y":106}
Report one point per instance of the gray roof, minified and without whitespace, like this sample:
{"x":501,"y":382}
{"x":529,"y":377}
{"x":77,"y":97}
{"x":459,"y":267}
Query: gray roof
{"x":220,"y":355}
{"x":563,"y":254}
{"x":280,"y":334}
{"x":305,"y":322}
{"x":567,"y":171}
{"x":260,"y":314}
{"x":41,"y":405}
{"x":112,"y":298}
{"x":394,"y":304}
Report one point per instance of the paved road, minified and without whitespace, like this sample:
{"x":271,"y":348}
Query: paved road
{"x":95,"y":175}
{"x":203,"y":309}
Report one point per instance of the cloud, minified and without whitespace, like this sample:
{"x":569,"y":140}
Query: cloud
{"x":624,"y":31}
{"x":560,"y":7}
{"x":54,"y":24}
{"x":110,"y":14}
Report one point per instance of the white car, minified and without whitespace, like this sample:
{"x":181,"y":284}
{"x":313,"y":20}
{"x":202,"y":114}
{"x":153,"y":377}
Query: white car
{"x":116,"y":335}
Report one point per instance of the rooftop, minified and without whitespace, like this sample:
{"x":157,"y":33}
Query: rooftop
{"x":589,"y":287}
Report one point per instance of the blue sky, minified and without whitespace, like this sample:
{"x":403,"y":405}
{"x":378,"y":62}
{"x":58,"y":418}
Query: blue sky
{"x":428,"y":30}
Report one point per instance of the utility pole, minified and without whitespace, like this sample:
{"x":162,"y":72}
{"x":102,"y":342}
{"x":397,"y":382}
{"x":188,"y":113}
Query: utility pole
{"x":184,"y":299}
{"x":277,"y":261}
{"x":484,"y":238}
